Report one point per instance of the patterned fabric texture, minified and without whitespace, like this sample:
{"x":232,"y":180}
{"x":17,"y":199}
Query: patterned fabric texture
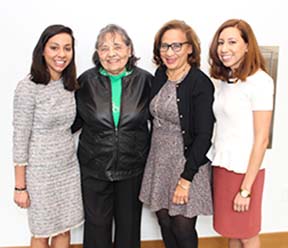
{"x":42,"y":139}
{"x":166,"y":162}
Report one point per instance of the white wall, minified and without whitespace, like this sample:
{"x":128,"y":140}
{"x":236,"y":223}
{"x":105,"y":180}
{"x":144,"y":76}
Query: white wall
{"x":21,"y":23}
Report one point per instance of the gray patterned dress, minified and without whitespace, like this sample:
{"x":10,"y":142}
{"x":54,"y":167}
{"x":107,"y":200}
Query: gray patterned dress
{"x":166,"y":162}
{"x":42,"y":141}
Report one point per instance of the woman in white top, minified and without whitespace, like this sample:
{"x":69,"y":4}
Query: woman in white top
{"x":243,"y":111}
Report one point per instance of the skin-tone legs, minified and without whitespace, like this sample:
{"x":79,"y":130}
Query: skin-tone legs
{"x":253,"y":242}
{"x":60,"y":241}
{"x":39,"y":242}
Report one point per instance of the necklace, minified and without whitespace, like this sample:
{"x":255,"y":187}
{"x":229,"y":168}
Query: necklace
{"x":179,"y":74}
{"x":232,"y":81}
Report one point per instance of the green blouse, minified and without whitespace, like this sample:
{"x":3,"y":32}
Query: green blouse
{"x":116,"y":91}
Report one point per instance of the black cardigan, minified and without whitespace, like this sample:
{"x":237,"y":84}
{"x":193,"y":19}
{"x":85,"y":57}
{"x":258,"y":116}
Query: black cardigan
{"x":194,"y":100}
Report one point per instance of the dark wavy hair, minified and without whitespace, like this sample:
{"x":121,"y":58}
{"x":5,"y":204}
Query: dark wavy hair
{"x":39,"y":72}
{"x":191,"y":36}
{"x":252,"y":61}
{"x":115,"y":29}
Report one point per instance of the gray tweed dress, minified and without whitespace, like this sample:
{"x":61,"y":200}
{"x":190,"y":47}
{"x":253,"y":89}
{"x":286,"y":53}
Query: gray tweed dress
{"x":42,"y":141}
{"x":166,"y":161}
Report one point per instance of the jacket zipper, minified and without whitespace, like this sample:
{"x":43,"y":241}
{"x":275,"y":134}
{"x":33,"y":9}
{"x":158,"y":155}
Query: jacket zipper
{"x":116,"y":130}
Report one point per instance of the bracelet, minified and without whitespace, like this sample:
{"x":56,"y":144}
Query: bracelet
{"x":182,"y":186}
{"x":20,"y":189}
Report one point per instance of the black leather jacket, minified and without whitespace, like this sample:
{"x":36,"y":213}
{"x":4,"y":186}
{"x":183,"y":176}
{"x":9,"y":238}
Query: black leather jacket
{"x":104,"y":151}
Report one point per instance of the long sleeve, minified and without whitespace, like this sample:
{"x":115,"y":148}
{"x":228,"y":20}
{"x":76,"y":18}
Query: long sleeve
{"x":24,"y":105}
{"x":200,"y":127}
{"x":78,"y":121}
{"x":77,"y":124}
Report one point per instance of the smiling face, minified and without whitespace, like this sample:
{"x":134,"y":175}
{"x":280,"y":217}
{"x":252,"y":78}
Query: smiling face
{"x":231,"y":48}
{"x":113,"y":53}
{"x":175,"y":60}
{"x":58,"y":53}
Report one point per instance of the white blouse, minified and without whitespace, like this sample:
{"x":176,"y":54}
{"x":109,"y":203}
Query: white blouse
{"x":233,"y":109}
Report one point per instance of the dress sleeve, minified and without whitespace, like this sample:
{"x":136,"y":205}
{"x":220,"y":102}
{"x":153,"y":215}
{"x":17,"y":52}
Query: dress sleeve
{"x":23,"y":113}
{"x":262,"y":93}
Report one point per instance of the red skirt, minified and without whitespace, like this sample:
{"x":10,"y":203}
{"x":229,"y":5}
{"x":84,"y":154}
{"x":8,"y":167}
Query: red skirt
{"x":226,"y":221}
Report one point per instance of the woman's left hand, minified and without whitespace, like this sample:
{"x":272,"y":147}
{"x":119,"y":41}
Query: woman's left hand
{"x":181,"y":194}
{"x":240,"y":203}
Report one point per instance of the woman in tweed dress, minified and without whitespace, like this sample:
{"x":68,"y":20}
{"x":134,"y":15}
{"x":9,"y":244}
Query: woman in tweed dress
{"x":47,"y":178}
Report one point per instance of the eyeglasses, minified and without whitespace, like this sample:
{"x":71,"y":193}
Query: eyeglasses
{"x":175,"y":46}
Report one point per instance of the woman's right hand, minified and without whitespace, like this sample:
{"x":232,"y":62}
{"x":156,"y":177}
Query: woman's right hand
{"x":181,"y":194}
{"x":22,"y":199}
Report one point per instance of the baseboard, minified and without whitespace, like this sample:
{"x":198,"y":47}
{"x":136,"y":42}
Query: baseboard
{"x":268,"y":240}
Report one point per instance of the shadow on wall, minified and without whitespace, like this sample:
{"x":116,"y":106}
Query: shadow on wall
{"x":270,"y":54}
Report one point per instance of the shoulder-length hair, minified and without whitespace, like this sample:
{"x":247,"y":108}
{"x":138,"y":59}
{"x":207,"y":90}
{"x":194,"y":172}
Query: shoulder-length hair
{"x":252,"y":61}
{"x":115,"y":29}
{"x":191,"y":36}
{"x":39,"y":72}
